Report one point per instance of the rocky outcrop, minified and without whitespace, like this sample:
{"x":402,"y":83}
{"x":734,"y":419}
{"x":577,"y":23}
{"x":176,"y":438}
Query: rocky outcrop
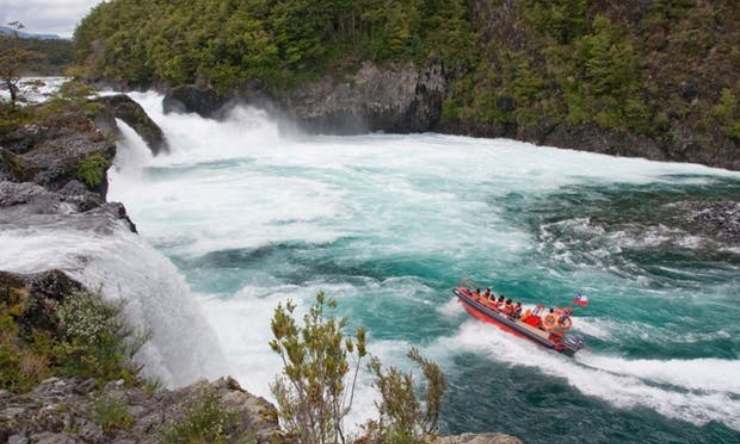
{"x":474,"y":438}
{"x":394,"y":98}
{"x":123,"y":107}
{"x":50,"y":154}
{"x":192,"y":99}
{"x":719,"y":220}
{"x":41,"y":293}
{"x":41,"y":177}
{"x":74,"y":207}
{"x":76,"y":411}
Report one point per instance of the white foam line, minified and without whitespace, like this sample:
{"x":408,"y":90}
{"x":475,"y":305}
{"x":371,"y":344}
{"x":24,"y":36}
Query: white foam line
{"x":624,"y":384}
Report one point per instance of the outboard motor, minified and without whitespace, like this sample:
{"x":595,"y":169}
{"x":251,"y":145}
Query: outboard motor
{"x":573,"y":342}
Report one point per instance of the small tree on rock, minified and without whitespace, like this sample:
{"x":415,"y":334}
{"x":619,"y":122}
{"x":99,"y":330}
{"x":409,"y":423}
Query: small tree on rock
{"x":316,"y":390}
{"x":13,"y":57}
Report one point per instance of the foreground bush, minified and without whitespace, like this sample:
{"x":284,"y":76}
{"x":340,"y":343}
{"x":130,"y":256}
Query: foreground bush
{"x":206,"y":421}
{"x":316,"y":388}
{"x":314,"y":393}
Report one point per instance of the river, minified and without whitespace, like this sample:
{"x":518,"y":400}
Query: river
{"x":251,"y":214}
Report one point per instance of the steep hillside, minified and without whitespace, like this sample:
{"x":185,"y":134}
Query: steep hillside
{"x":656,"y":78}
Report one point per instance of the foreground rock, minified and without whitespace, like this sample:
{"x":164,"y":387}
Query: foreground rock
{"x":483,"y":438}
{"x":75,"y":411}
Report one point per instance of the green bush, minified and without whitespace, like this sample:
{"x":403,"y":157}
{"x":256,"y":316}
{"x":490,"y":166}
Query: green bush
{"x":206,"y":422}
{"x":97,"y":340}
{"x":112,"y":414}
{"x":316,"y":388}
{"x":315,"y":391}
{"x":727,"y":113}
{"x":92,"y":169}
{"x":92,"y":341}
{"x":22,"y":364}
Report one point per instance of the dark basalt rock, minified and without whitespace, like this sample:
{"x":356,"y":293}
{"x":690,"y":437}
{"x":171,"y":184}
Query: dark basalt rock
{"x":396,"y":98}
{"x":28,"y":204}
{"x":40,"y":295}
{"x":192,"y":99}
{"x":720,"y":220}
{"x":598,"y":140}
{"x":56,"y":149}
{"x":123,"y":107}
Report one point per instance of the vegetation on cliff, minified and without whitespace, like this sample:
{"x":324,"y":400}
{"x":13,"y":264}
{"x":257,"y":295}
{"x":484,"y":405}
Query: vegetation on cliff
{"x":663,"y":72}
{"x":54,"y":56}
{"x":82,"y":336}
{"x":635,"y":66}
{"x":225,"y":44}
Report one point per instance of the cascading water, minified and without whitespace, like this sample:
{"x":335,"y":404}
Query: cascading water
{"x":388,"y":224}
{"x":155,"y":296}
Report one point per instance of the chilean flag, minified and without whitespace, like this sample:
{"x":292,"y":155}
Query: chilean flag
{"x":580,"y":300}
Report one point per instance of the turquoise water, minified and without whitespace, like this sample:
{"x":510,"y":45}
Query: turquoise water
{"x":389,"y":224}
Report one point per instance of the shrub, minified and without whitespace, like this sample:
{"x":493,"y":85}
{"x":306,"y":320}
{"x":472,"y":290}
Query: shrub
{"x":112,"y":414}
{"x":402,"y":420}
{"x":92,"y":169}
{"x":317,"y":380}
{"x":727,"y":113}
{"x":91,"y":341}
{"x":315,"y":391}
{"x":21,"y":366}
{"x":207,"y":421}
{"x":97,"y":340}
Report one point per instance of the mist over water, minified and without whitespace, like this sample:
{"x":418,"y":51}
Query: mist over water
{"x":388,"y":224}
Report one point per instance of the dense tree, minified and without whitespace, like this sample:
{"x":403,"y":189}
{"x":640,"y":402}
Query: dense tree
{"x":224,"y":43}
{"x":517,"y":64}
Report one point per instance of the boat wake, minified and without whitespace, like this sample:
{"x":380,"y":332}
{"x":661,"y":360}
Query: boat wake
{"x":697,"y":391}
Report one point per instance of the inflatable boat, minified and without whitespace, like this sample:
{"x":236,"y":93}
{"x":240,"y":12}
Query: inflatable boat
{"x":557,"y":339}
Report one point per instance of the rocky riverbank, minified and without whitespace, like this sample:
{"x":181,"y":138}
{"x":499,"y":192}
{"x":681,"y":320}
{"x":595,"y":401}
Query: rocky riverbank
{"x":405,"y":98}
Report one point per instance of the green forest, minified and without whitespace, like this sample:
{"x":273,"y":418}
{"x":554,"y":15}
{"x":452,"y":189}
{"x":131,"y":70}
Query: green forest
{"x":639,"y":66}
{"x":225,"y":43}
{"x":52,"y":57}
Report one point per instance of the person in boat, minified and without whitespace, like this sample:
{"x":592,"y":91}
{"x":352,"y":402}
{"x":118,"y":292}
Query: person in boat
{"x":550,"y":320}
{"x":487,"y":294}
{"x":476,"y":293}
{"x":508,"y":308}
{"x":500,"y":302}
{"x":518,"y":310}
